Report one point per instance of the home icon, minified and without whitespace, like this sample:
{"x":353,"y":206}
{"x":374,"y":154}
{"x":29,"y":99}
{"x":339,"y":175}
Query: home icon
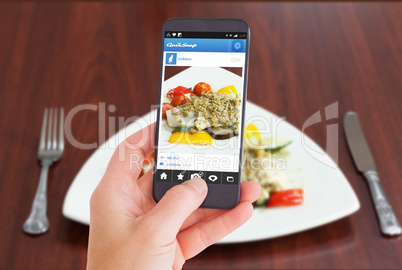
{"x":163,"y":176}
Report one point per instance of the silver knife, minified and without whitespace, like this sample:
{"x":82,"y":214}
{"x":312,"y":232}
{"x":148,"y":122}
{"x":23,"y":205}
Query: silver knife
{"x":365,"y":164}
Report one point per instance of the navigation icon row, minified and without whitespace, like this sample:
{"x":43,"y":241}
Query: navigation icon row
{"x":177,"y":176}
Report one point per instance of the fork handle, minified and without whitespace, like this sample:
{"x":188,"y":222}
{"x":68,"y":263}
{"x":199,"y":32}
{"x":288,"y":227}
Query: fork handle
{"x":388,"y":222}
{"x":40,"y":202}
{"x":37,"y":222}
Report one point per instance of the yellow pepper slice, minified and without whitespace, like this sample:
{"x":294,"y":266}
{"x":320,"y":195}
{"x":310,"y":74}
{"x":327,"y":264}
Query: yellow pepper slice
{"x":180,"y":137}
{"x":201,"y":137}
{"x":230,"y":90}
{"x":252,"y":134}
{"x":252,"y":130}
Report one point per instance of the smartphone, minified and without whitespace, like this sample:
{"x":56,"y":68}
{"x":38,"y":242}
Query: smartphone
{"x":201,"y":106}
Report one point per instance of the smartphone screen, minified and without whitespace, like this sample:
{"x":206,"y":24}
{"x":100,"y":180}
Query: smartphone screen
{"x":200,"y":121}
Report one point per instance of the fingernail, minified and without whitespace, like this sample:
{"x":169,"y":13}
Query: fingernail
{"x":198,"y":184}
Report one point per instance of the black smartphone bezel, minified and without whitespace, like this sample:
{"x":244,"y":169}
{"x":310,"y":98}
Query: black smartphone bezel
{"x":219,"y":196}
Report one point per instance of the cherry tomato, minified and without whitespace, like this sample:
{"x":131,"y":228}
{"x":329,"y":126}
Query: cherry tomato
{"x":285,"y":198}
{"x":202,"y":88}
{"x":165,"y":107}
{"x":148,"y":160}
{"x":179,"y":100}
{"x":179,"y":91}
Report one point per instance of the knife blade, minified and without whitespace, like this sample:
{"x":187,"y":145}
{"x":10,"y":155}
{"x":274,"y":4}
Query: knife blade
{"x":364,"y":162}
{"x":357,"y":143}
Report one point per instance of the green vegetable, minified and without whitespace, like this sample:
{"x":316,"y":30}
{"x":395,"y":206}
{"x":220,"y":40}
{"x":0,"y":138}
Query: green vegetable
{"x":254,"y":140}
{"x":277,"y":148}
{"x":263,"y":199}
{"x":180,"y":129}
{"x":260,"y":202}
{"x":233,"y":95}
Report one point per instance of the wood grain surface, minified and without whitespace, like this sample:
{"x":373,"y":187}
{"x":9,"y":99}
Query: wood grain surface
{"x":303,"y":57}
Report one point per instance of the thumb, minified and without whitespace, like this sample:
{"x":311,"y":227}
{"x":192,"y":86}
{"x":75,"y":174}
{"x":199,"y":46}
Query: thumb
{"x":178,"y":203}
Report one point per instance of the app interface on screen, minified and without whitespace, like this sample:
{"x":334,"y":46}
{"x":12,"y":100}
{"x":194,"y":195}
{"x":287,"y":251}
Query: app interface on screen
{"x":201,"y":101}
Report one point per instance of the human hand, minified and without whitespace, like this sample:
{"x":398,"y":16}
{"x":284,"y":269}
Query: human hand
{"x":128,"y":230}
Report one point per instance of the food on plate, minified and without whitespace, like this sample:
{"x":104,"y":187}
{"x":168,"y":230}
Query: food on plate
{"x":263,"y":162}
{"x":252,"y":134}
{"x":230,"y":90}
{"x":209,"y":110}
{"x":179,"y":100}
{"x":286,"y":197}
{"x":179,"y":91}
{"x":214,"y":113}
{"x":202,"y":87}
{"x":220,"y":133}
{"x":200,"y":137}
{"x":179,"y":129}
{"x":278,"y":148}
{"x":165,"y":107}
{"x":147,"y":164}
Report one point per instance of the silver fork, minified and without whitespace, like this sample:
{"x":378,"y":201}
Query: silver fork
{"x":51,"y":146}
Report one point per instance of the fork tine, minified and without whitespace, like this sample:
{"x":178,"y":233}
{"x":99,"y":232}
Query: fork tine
{"x":61,"y":130}
{"x":43,"y":132}
{"x":49,"y":131}
{"x":54,"y":138}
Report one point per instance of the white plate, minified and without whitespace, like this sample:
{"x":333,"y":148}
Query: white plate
{"x":328,"y":195}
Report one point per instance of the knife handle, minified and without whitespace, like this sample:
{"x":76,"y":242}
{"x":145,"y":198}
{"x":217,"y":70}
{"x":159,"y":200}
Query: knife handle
{"x":389,"y":223}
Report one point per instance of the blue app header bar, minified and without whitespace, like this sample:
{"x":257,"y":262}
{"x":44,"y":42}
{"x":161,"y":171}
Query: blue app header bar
{"x":205,"y":45}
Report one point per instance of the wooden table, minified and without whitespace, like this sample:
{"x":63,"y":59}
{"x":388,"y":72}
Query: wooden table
{"x":304,"y":56}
